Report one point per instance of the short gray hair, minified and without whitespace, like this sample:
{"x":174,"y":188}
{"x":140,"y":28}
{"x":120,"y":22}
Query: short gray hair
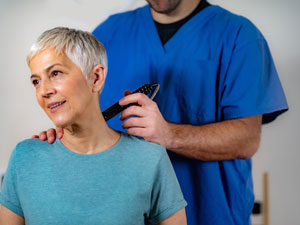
{"x":81,"y":47}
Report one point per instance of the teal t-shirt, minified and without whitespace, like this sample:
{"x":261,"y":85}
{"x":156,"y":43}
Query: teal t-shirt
{"x":131,"y":183}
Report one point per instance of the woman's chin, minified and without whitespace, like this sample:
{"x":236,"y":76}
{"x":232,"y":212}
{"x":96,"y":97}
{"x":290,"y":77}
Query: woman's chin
{"x":60,"y":124}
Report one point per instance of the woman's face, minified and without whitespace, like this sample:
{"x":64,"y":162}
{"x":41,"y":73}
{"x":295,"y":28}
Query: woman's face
{"x":61,"y":88}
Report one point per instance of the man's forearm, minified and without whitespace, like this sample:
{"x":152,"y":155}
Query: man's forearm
{"x":231,"y":139}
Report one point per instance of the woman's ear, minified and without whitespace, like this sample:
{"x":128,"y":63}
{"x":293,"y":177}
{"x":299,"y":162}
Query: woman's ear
{"x":97,"y":78}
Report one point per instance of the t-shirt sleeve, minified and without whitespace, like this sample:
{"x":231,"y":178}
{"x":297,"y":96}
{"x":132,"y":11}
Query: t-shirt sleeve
{"x":167,"y":197}
{"x":251,"y":85}
{"x":9,"y":194}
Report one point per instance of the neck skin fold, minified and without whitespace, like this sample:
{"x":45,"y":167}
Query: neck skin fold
{"x":183,"y":10}
{"x":90,"y":134}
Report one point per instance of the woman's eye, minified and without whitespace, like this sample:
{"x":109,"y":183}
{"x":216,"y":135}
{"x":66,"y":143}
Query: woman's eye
{"x":55,"y":73}
{"x":35,"y":82}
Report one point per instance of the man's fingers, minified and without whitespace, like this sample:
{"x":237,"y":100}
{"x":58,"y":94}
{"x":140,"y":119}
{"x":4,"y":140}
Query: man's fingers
{"x":134,"y":122}
{"x":51,"y":135}
{"x":127,"y":92}
{"x":138,"y":131}
{"x":139,"y":98}
{"x":59,"y":132}
{"x":43,"y":136}
{"x":132,"y":111}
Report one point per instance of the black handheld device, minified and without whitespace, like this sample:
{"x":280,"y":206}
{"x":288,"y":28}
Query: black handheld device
{"x":147,"y":89}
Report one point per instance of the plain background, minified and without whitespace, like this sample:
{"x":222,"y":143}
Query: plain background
{"x":21,"y":21}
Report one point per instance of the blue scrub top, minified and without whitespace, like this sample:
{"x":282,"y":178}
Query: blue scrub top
{"x":216,"y":67}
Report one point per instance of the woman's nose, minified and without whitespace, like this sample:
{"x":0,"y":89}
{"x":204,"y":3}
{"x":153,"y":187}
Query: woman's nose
{"x":46,"y":89}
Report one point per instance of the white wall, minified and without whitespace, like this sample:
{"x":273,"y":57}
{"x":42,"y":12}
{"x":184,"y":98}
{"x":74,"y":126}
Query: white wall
{"x":20,"y":117}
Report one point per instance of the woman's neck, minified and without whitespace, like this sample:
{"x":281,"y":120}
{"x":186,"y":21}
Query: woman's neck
{"x":90,"y":136}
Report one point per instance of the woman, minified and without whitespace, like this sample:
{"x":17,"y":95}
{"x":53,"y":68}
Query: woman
{"x":93,"y":175}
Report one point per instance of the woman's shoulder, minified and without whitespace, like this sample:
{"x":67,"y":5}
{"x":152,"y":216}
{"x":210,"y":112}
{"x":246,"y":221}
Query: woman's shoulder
{"x":142,"y":147}
{"x":30,"y":150}
{"x":32,"y":145}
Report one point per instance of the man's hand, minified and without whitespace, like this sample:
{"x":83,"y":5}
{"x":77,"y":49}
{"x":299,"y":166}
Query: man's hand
{"x":231,"y":139}
{"x":50,"y":135}
{"x":144,"y":119}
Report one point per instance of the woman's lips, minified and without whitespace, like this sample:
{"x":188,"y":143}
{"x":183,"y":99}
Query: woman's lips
{"x":55,"y":106}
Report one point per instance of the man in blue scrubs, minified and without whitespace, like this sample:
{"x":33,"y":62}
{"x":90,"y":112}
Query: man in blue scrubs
{"x":218,"y":85}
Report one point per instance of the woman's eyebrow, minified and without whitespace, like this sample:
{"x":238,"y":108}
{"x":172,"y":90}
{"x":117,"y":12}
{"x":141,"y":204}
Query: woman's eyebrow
{"x":50,"y":67}
{"x":47,"y":69}
{"x":33,"y":76}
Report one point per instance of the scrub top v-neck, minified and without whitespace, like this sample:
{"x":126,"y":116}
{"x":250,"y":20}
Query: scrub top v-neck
{"x":180,"y":36}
